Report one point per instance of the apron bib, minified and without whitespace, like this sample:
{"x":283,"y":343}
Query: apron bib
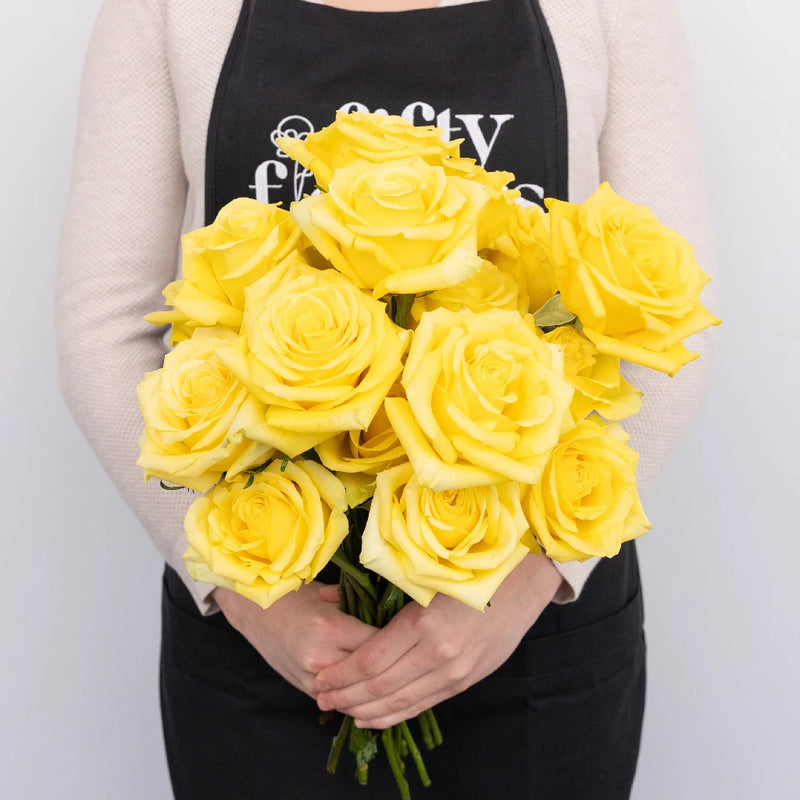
{"x":485,"y":72}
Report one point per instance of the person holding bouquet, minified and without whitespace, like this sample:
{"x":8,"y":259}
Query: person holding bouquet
{"x":186,"y":106}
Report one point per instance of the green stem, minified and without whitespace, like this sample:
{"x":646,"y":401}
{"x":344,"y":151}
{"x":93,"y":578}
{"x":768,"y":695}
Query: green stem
{"x":367,"y":604}
{"x":400,"y":742}
{"x":365,"y":608}
{"x":362,"y":762}
{"x":415,"y":754}
{"x":359,"y":576}
{"x":352,"y":600}
{"x":427,"y":733}
{"x":351,"y":546}
{"x":382,"y":607}
{"x":435,"y":729}
{"x":338,"y":743}
{"x":395,"y":763}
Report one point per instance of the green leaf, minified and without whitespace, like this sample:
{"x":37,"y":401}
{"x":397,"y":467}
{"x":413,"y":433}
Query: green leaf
{"x":394,"y":596}
{"x":401,"y":308}
{"x":368,"y":748}
{"x":553,"y":314}
{"x":365,"y":747}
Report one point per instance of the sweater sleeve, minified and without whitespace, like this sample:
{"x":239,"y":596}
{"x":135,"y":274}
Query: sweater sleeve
{"x":119,"y":248}
{"x":649,"y":153}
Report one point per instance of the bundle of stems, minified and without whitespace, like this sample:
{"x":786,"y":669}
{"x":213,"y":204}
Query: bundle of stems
{"x":374,"y":600}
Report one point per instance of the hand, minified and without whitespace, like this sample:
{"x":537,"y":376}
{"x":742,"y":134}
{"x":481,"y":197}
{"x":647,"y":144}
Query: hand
{"x":298,"y":635}
{"x":425,"y":655}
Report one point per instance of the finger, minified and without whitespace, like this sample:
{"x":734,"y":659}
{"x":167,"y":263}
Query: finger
{"x":407,"y":704}
{"x":330,"y":652}
{"x":329,"y":592}
{"x":408,"y":669}
{"x":422,"y":673}
{"x":350,"y":635}
{"x":371,"y":658}
{"x":387,"y":720}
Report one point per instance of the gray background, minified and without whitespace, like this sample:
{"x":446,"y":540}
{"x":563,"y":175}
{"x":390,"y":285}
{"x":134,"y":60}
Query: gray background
{"x":80,"y":581}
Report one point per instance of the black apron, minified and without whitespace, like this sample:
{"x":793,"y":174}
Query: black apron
{"x":561,"y":719}
{"x":485,"y":72}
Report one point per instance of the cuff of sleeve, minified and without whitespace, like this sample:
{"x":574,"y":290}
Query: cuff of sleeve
{"x":574,"y":575}
{"x":201,"y":592}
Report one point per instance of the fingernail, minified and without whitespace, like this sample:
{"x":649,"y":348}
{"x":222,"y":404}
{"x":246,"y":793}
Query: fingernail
{"x":322,"y":686}
{"x":324,"y":705}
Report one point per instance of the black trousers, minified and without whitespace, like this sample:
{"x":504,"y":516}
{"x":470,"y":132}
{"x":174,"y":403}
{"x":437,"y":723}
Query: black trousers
{"x":560,"y":720}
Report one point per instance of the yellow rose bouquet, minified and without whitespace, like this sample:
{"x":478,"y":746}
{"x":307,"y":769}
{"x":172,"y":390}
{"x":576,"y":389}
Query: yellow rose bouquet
{"x":410,"y":376}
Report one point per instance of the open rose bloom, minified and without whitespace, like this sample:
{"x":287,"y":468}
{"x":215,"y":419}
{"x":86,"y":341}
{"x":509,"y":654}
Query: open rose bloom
{"x":633,"y":283}
{"x":410,"y":361}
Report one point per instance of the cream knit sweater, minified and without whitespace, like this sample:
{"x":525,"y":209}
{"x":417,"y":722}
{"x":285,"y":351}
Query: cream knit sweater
{"x":138,"y":178}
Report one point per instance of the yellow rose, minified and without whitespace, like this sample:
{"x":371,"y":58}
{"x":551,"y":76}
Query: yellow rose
{"x":194,"y":411}
{"x":400,"y":227}
{"x":265,"y":540}
{"x":469,"y":169}
{"x":358,"y":456}
{"x":586,"y":503}
{"x":219,"y":261}
{"x":501,"y":207}
{"x":460,"y":542}
{"x":360,"y":136}
{"x":633,"y":283}
{"x":522,"y":249}
{"x":598,"y":383}
{"x":485,"y":289}
{"x":320,"y":353}
{"x":486,"y":403}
